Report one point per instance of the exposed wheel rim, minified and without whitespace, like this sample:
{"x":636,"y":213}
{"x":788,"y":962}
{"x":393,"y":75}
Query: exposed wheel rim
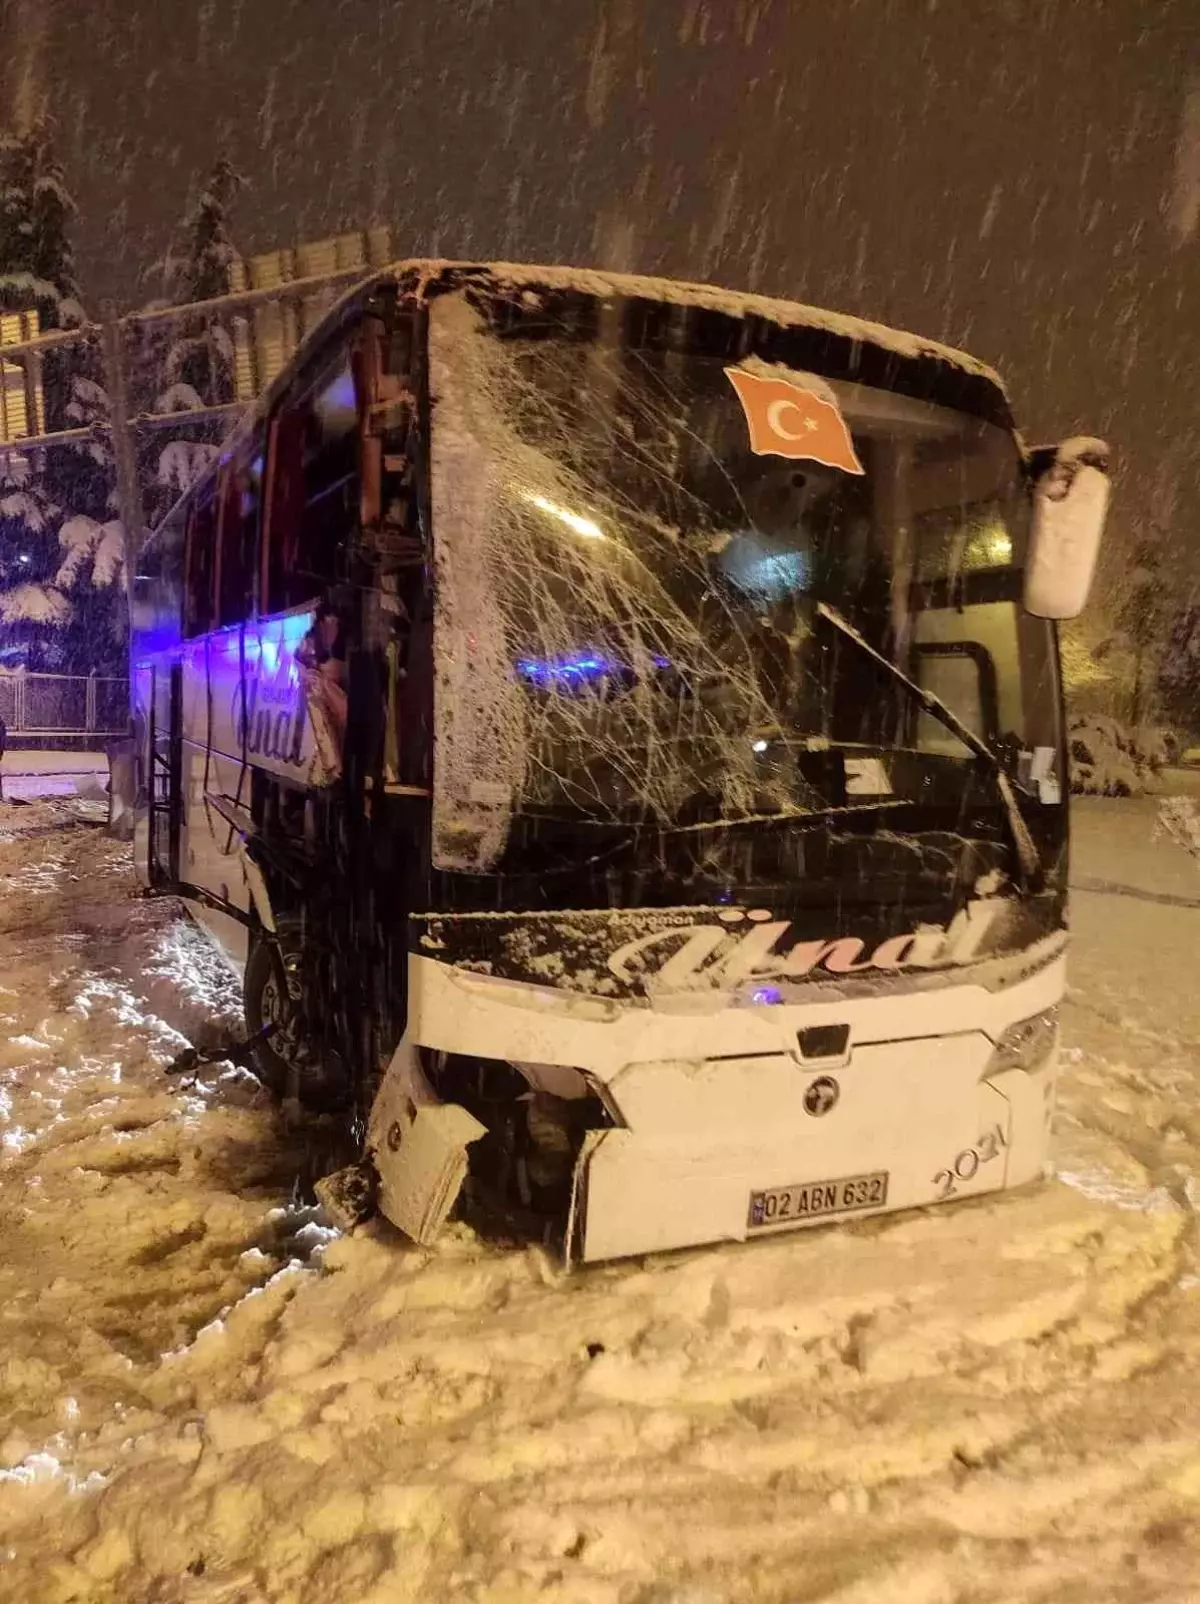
{"x":287,"y":1040}
{"x":292,"y":1060}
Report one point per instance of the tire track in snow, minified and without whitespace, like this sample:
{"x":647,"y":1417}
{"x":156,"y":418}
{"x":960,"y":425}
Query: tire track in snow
{"x":119,"y":1235}
{"x":990,"y":1402}
{"x":1113,"y":888}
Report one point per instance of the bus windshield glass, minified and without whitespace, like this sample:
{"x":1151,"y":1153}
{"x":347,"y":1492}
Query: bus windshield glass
{"x":629,"y":623}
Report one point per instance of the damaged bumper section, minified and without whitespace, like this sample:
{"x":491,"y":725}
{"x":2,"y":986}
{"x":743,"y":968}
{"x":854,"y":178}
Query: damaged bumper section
{"x":685,"y":1122}
{"x":789,"y":1148}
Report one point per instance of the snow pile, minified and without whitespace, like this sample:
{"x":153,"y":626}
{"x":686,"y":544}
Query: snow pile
{"x":209,"y":1396}
{"x":1110,"y":759}
{"x":29,"y":777}
{"x":406,"y":1426}
{"x":1179,"y":820}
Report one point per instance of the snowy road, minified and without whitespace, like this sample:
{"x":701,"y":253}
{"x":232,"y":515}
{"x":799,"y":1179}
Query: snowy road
{"x":29,"y":775}
{"x":203,"y":1400}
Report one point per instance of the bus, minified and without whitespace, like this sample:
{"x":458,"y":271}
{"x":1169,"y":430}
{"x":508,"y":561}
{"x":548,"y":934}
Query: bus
{"x":614,"y":727}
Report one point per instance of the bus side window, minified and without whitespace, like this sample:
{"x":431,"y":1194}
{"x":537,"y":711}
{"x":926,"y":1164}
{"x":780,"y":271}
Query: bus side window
{"x":240,"y":499}
{"x":314,"y":488}
{"x":199,"y":567}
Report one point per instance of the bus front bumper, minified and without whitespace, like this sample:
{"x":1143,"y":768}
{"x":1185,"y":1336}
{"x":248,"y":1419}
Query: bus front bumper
{"x":918,"y":1126}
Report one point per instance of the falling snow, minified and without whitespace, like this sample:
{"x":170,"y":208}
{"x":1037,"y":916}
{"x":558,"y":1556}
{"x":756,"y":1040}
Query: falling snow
{"x":207,"y":1394}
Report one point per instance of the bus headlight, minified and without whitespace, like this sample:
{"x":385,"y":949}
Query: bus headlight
{"x":1025,"y":1045}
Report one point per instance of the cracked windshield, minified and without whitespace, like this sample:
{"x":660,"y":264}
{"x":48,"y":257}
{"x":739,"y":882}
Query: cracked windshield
{"x":656,"y":520}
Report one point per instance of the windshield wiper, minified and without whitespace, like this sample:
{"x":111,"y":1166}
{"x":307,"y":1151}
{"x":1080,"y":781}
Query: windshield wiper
{"x":742,"y":821}
{"x":1028,"y":861}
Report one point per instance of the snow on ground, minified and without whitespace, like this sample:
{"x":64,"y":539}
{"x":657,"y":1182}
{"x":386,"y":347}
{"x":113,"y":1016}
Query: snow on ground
{"x":30,"y":775}
{"x":204,"y":1396}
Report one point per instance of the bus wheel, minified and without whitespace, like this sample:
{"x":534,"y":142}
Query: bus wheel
{"x":289,"y":1063}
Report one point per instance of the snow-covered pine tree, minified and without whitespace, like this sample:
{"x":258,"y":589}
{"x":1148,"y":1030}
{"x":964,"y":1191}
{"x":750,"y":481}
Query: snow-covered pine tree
{"x":37,"y":263}
{"x":198,"y":367}
{"x":33,"y":609}
{"x":16,"y":224}
{"x":90,"y":536}
{"x":51,"y":213}
{"x":61,"y":601}
{"x":37,"y":266}
{"x":194,"y":355}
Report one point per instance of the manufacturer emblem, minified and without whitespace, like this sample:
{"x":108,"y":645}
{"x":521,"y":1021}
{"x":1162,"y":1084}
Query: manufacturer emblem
{"x":821,"y":1095}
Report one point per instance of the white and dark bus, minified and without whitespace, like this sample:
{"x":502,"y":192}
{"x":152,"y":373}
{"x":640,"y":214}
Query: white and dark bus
{"x":614,"y":726}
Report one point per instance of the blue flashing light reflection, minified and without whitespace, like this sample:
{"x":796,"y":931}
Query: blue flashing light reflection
{"x":293,"y":627}
{"x":544,"y":671}
{"x":268,"y":642}
{"x":767,"y":994}
{"x":151,"y":642}
{"x":340,"y":393}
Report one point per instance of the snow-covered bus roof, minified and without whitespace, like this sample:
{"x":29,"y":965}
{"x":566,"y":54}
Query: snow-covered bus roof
{"x":423,"y":274}
{"x":713,"y":298}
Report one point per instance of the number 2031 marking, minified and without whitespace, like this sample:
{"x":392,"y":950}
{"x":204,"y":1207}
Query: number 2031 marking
{"x":967,"y":1163}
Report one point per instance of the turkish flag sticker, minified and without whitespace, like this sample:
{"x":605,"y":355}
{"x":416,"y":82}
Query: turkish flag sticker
{"x":786,"y":421}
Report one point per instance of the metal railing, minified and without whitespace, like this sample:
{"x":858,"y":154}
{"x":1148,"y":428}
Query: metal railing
{"x":63,"y":704}
{"x":262,"y":324}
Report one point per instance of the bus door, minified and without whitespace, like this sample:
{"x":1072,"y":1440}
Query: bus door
{"x":156,"y":842}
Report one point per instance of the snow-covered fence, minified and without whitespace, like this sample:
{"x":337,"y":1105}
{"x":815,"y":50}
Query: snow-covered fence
{"x":64,"y":704}
{"x":134,"y":445}
{"x":113,"y":420}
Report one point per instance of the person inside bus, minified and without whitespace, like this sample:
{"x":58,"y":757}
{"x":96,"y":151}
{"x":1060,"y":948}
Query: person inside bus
{"x":321,"y":659}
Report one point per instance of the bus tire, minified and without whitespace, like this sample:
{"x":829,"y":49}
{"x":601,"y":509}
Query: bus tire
{"x":289,"y":1063}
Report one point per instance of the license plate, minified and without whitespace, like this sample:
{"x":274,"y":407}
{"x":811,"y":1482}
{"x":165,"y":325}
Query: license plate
{"x":809,"y":1200}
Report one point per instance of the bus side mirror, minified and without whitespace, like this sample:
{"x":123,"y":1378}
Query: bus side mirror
{"x":1070,"y":502}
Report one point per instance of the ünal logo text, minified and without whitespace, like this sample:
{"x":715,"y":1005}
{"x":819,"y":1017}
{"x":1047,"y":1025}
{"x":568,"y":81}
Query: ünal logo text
{"x":269,"y":720}
{"x":754,"y":946}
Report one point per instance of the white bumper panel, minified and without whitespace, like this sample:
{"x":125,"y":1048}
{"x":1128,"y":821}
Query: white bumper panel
{"x":461,"y":1012}
{"x":913,"y":1116}
{"x":713,"y":1104}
